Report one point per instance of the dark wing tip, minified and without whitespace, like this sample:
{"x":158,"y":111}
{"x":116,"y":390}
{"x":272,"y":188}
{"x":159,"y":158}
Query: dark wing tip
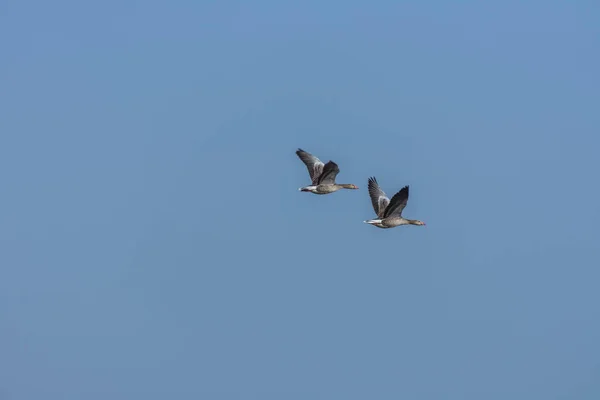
{"x":401,"y":194}
{"x":304,"y":155}
{"x":372,"y":183}
{"x":404,"y":191}
{"x":332,"y":164}
{"x":400,"y":199}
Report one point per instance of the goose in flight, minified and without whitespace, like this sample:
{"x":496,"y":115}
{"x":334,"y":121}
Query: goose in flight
{"x":322,"y":175}
{"x":389,"y":212}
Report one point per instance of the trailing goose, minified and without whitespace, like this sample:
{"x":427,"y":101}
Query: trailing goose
{"x":389,"y":212}
{"x":322,"y":175}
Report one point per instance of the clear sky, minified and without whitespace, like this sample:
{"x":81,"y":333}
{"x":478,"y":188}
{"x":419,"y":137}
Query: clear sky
{"x":154,"y":244}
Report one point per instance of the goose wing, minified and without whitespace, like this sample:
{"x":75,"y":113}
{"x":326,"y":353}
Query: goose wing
{"x":313,"y":164}
{"x":378,"y":197}
{"x":397,"y":203}
{"x":330,"y":171}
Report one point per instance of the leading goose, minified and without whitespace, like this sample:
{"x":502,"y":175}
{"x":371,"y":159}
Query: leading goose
{"x":322,"y":175}
{"x":389,"y":212}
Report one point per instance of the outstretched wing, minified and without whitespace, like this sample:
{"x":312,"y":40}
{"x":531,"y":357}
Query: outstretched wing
{"x":378,"y":197}
{"x":313,"y":164}
{"x":397,"y":203}
{"x":330,"y":171}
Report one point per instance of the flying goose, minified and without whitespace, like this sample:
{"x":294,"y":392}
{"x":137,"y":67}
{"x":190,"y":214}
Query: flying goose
{"x":389,"y":212}
{"x":322,"y":175}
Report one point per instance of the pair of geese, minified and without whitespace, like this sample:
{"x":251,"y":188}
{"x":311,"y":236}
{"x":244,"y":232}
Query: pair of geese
{"x":389,"y":212}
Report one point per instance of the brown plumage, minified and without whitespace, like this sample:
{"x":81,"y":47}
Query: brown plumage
{"x":389,"y":212}
{"x":322,"y":175}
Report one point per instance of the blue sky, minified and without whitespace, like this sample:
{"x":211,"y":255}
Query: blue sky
{"x":155,"y":245}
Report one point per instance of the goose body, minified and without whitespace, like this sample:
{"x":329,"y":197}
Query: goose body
{"x":322,"y":175}
{"x":389,"y":212}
